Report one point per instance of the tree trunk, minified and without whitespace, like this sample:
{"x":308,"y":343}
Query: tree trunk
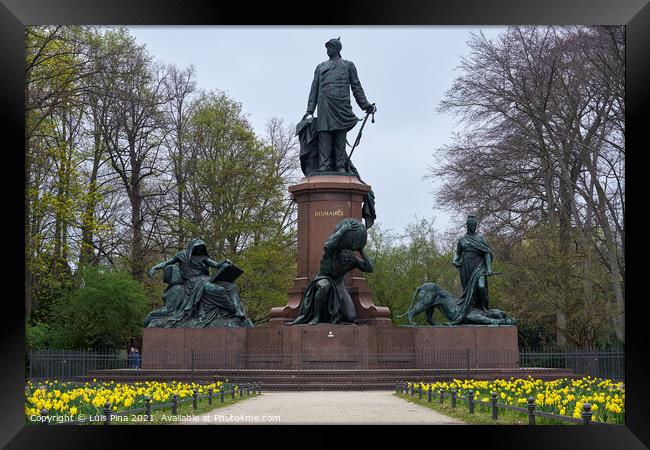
{"x":29,"y":281}
{"x":137,"y":257}
{"x":562,"y":285}
{"x":180,"y":191}
{"x":614,"y":267}
{"x":87,"y":255}
{"x":181,"y":231}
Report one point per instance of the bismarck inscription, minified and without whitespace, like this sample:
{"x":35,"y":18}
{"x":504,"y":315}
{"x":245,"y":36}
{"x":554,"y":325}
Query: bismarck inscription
{"x":338,"y":212}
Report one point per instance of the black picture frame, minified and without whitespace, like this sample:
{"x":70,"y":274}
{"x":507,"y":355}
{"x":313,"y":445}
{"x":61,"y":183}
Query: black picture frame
{"x":15,"y":14}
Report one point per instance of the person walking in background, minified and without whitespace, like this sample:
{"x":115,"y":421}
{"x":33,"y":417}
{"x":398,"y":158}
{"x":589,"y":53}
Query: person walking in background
{"x":131,"y":358}
{"x":137,"y":358}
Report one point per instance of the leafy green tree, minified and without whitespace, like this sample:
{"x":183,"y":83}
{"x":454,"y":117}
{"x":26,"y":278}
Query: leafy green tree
{"x":235,"y":194}
{"x":403,"y":262}
{"x":530,"y":291}
{"x":38,"y":336}
{"x":52,"y":280}
{"x":106,"y":311}
{"x":124,"y":162}
{"x":62,"y":69}
{"x":55,"y":67}
{"x":269,"y":268}
{"x":236,"y":200}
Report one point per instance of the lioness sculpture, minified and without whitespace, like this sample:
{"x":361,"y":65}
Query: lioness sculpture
{"x":430,"y":296}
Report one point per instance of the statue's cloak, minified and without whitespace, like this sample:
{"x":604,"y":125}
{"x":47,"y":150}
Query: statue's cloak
{"x":330,"y":91}
{"x":473,"y":267}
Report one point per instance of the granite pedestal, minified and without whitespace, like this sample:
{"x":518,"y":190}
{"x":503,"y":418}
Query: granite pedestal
{"x":323,"y":201}
{"x":325,"y":346}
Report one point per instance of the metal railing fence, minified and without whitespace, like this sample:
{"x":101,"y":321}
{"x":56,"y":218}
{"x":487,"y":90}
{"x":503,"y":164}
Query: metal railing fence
{"x":72,"y":365}
{"x":530,"y":409}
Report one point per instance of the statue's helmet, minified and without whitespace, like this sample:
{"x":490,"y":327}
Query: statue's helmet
{"x":336,"y":43}
{"x":471,"y":220}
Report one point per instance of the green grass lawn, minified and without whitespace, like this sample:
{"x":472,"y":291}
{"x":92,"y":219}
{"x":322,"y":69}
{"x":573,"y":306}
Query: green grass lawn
{"x":482,"y":414}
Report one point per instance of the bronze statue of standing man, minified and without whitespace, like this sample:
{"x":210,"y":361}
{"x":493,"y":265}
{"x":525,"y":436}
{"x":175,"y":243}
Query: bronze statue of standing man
{"x":473,"y":259}
{"x":330,"y":91}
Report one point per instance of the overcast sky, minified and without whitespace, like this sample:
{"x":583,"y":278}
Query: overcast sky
{"x":404,"y":70}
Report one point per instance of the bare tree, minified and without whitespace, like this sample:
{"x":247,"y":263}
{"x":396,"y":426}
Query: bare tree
{"x":283,"y":144}
{"x":180,"y":85}
{"x":134,"y":135}
{"x":544,"y":109}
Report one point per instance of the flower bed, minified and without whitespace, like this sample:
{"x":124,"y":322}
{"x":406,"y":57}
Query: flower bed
{"x":563,"y":396}
{"x":89,"y":398}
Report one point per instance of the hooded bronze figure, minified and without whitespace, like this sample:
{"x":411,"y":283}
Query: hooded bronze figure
{"x":194,"y":299}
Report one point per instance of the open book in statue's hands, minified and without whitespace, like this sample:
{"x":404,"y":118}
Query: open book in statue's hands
{"x":227,"y":272}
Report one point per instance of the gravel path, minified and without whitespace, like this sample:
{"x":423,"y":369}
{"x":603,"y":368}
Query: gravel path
{"x":326,"y":407}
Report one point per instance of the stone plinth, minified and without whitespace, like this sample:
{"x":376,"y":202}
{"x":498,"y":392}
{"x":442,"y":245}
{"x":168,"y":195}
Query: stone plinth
{"x":186,"y":348}
{"x":323,"y":201}
{"x":326,"y":346}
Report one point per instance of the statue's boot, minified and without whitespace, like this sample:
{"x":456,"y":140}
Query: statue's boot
{"x":341,"y":160}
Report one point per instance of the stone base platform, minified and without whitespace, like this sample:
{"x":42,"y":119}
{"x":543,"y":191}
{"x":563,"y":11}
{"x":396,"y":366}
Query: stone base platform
{"x":325,"y":346}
